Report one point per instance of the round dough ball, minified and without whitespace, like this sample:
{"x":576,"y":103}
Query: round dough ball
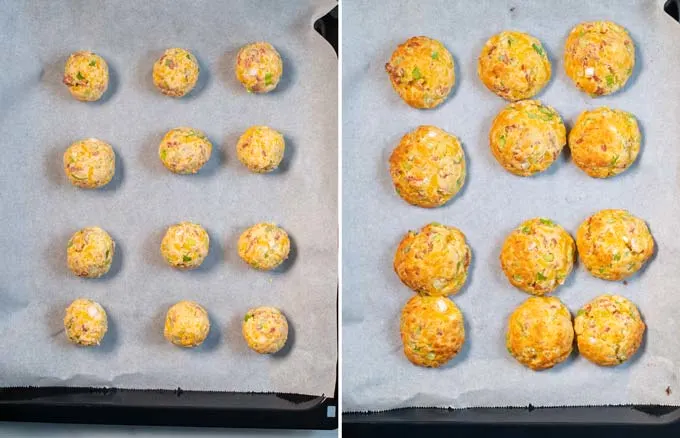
{"x":428,"y":167}
{"x":526,"y":137}
{"x":599,"y":57}
{"x":184,"y":150}
{"x":176,"y":72}
{"x":433,"y":261}
{"x":90,"y":163}
{"x":422,"y":72}
{"x":186,"y":324}
{"x":614,"y":244}
{"x":259,"y":67}
{"x":264,"y":246}
{"x":540,"y":334}
{"x":185,"y":245}
{"x":609,"y":330}
{"x":538,"y":256}
{"x":514,"y":65}
{"x":86,"y":75}
{"x":90,"y":252}
{"x":265,"y":329}
{"x":85,"y":322}
{"x":604,"y":142}
{"x":260,"y":149}
{"x":432,"y":330}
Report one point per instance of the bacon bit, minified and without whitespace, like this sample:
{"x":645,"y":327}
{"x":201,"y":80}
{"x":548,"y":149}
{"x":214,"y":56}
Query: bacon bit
{"x":603,"y":147}
{"x":170,"y":63}
{"x":68,"y":80}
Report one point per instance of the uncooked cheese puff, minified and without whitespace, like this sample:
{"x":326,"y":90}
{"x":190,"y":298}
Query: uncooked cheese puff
{"x":176,"y":72}
{"x":89,"y":163}
{"x":259,"y":67}
{"x":186,"y":324}
{"x":86,"y":75}
{"x":90,"y":252}
{"x":85,"y":322}
{"x":265,"y":329}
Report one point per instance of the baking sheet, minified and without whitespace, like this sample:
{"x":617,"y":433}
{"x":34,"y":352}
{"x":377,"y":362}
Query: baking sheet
{"x":376,"y":375}
{"x":39,"y":209}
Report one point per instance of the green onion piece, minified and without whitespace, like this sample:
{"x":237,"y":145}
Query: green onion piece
{"x":538,"y":49}
{"x":416,"y":73}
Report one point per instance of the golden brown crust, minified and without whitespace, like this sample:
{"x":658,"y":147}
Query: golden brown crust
{"x":514,"y":65}
{"x":526,"y":137}
{"x":604,"y":142}
{"x":609,"y":330}
{"x":422,"y":72}
{"x":433,"y":261}
{"x":428,"y":167}
{"x":539,"y":333}
{"x":599,"y":57}
{"x":432,"y":330}
{"x":538,"y":256}
{"x":614,"y":244}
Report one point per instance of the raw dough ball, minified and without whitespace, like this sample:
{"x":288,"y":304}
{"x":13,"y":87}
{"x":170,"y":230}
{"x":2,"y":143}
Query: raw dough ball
{"x":185,"y":245}
{"x":432,"y":330}
{"x":433,"y":261}
{"x":604,"y":142}
{"x":599,"y":57}
{"x":86,"y":75}
{"x":538,"y":256}
{"x":514,"y":65}
{"x":184,"y":150}
{"x":428,"y":167}
{"x":264,"y":246}
{"x":540,"y":334}
{"x":265,"y":329}
{"x":90,"y":252}
{"x":422,"y":72}
{"x":176,"y":72}
{"x":260,"y":149}
{"x":186,"y":324}
{"x":89,"y":163}
{"x":614,"y":244}
{"x":527,"y":137}
{"x":85,"y":322}
{"x":259,"y":67}
{"x":609,"y":330}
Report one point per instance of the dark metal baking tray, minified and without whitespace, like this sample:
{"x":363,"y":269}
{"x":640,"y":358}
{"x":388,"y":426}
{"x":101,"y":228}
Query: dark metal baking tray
{"x":178,"y":407}
{"x":622,"y":420}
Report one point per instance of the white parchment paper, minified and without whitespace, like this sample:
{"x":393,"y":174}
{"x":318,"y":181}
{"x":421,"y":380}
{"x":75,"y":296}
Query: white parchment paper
{"x":376,"y":375}
{"x":39,"y":209}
